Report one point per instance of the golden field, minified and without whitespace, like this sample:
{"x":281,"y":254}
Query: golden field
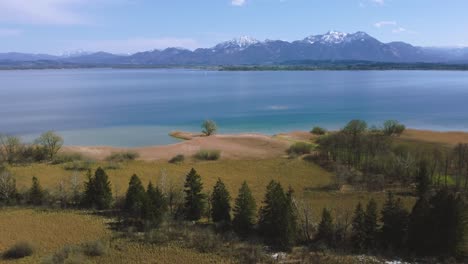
{"x":301,"y":175}
{"x":48,"y":231}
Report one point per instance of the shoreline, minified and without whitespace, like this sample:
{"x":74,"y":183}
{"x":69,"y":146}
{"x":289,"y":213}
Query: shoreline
{"x":245,"y":145}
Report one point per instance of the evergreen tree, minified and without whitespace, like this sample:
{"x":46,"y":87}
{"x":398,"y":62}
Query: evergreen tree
{"x":244,"y":211}
{"x":449,"y":229}
{"x":220,"y":203}
{"x":420,"y":228}
{"x":422,"y":179}
{"x":325,"y":231}
{"x":194,"y":198}
{"x":358,"y":229}
{"x":370,"y":225}
{"x":98,"y":193}
{"x":276,"y":218}
{"x":135,"y":197}
{"x":395,"y":223}
{"x":155,"y":206}
{"x":36,"y":194}
{"x":89,"y":190}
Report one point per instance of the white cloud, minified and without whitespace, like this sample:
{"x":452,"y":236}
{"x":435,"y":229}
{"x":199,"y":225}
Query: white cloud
{"x":380,"y":2}
{"x":41,"y":11}
{"x":399,"y":30}
{"x":385,"y":23}
{"x":10,"y":32}
{"x":133,"y":45}
{"x":238,"y":2}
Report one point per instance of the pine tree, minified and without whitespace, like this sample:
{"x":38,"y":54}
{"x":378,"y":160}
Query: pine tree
{"x":276,"y":218}
{"x":449,"y":229}
{"x":36,"y":194}
{"x":98,"y":193}
{"x":244,"y":211}
{"x":325,"y":231}
{"x":370,"y":225}
{"x":135,"y":197}
{"x":422,"y":179}
{"x":155,"y":206}
{"x":420,"y":228}
{"x":358,"y":229}
{"x":194,"y":198}
{"x":395,"y":223}
{"x":220,"y":203}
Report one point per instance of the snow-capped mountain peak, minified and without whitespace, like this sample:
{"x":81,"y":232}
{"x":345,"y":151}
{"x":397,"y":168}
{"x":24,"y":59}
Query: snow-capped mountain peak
{"x":334,"y":37}
{"x":75,"y":53}
{"x":239,"y":43}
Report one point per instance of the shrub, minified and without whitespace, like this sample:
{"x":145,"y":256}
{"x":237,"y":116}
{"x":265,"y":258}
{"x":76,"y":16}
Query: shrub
{"x":78,"y":165}
{"x":67,"y":157}
{"x":208,"y":155}
{"x":318,"y":131}
{"x":112,"y":166}
{"x":300,"y":148}
{"x":393,"y":127}
{"x":68,"y":254}
{"x":122,"y":156}
{"x":209,"y":127}
{"x":19,"y":250}
{"x":94,"y":249}
{"x":179,"y":158}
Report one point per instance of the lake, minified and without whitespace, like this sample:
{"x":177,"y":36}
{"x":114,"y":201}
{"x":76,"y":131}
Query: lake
{"x":138,"y":107}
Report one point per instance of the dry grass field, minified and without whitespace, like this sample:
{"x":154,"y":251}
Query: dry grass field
{"x":124,"y":251}
{"x":296,"y":173}
{"x":304,"y":177}
{"x":48,"y":231}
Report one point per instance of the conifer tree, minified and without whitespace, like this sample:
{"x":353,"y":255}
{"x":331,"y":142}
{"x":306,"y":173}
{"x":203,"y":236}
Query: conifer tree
{"x":194,"y":198}
{"x":325,"y":231}
{"x":276,"y":218}
{"x":422,"y":179}
{"x":420,"y":228}
{"x":36,"y":194}
{"x":358,"y":229}
{"x":371,"y":225}
{"x":155,"y":206}
{"x":395,"y":223}
{"x":449,"y":229}
{"x":244,"y":211}
{"x":135,"y":197}
{"x":220,"y":203}
{"x":98,"y":193}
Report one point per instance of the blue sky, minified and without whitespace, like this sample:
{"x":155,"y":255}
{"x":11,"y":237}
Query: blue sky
{"x":126,"y":26}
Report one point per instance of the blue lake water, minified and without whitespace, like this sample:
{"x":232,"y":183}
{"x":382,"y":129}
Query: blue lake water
{"x":140,"y":107}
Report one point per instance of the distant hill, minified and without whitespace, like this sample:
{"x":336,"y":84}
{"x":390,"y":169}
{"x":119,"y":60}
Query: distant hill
{"x":332,"y":46}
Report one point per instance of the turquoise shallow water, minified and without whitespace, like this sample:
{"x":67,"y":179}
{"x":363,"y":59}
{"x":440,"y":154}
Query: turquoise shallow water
{"x":140,"y":107}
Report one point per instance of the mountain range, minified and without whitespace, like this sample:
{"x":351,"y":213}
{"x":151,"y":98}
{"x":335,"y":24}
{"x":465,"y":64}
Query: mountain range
{"x":331,"y":46}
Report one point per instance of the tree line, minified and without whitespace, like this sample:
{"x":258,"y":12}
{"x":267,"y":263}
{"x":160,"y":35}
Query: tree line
{"x":44,"y":148}
{"x":435,"y":227}
{"x":371,"y":157}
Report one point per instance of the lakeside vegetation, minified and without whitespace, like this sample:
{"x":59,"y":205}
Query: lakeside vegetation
{"x":305,"y":65}
{"x":356,"y":191}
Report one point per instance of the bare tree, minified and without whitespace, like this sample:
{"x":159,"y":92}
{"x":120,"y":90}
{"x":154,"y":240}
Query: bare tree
{"x":172,"y":189}
{"x":304,"y":215}
{"x":75,"y":187}
{"x":7,"y":186}
{"x":51,"y":143}
{"x":10,"y":148}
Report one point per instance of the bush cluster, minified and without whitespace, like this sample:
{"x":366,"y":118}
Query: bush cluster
{"x":208,"y":154}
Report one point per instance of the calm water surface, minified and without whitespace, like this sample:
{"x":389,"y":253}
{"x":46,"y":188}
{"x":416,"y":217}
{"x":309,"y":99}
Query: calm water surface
{"x":139,"y":107}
